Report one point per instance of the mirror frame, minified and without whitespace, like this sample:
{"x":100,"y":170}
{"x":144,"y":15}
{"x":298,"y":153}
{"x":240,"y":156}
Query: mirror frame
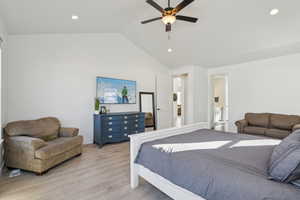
{"x":153,"y":106}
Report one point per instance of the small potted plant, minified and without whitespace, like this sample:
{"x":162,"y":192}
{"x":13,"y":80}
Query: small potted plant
{"x":97,"y":106}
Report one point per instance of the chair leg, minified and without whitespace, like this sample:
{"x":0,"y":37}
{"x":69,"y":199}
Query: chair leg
{"x":42,"y":173}
{"x":39,"y":173}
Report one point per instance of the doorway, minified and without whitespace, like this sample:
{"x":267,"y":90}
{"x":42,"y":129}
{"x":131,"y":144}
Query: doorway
{"x":179,"y":84}
{"x":220,"y":108}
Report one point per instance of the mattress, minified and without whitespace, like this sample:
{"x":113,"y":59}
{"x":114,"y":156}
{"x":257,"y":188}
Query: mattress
{"x":217,"y":165}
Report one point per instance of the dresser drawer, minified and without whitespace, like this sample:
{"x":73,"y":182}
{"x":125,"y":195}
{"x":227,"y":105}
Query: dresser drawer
{"x":108,"y":124}
{"x":139,"y":125}
{"x":112,"y":138}
{"x":112,"y":118}
{"x":138,"y":130}
{"x":116,"y":138}
{"x":133,"y":116}
{"x":113,"y":129}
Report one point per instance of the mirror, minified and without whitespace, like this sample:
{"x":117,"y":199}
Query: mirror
{"x":147,"y":106}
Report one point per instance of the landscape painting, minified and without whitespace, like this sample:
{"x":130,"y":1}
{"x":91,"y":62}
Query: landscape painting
{"x":116,"y":91}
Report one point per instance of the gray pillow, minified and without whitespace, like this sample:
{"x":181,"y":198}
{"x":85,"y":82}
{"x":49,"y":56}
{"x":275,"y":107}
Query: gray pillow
{"x":296,"y":183}
{"x":285,"y":159}
{"x":295,"y":175}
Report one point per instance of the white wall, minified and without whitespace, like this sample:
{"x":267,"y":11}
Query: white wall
{"x":55,"y":75}
{"x":196,"y":92}
{"x":270,"y":85}
{"x":3,"y":70}
{"x":3,"y":75}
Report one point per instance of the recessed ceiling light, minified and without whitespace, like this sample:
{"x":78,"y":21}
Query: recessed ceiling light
{"x":274,"y":11}
{"x":170,"y":50}
{"x":75,"y":17}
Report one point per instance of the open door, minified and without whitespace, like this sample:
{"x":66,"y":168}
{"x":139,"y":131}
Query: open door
{"x":164,"y":101}
{"x":220,"y":102}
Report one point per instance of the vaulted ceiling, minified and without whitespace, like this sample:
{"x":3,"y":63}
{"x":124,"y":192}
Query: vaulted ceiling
{"x":228,"y":31}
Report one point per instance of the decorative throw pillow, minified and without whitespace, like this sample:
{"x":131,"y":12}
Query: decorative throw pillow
{"x":48,"y":138}
{"x":285,"y":159}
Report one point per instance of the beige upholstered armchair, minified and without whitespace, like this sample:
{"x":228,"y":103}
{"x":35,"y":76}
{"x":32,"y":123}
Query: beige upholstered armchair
{"x":38,"y":145}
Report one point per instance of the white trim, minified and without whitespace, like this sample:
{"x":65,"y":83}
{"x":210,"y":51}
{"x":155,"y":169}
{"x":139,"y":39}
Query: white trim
{"x":136,"y":170}
{"x":170,"y":189}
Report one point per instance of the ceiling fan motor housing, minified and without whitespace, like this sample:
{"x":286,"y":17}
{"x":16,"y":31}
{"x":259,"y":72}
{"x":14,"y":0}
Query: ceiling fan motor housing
{"x":169,"y":14}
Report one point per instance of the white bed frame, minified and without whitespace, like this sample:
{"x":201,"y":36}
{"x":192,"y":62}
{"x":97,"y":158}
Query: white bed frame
{"x":172,"y":190}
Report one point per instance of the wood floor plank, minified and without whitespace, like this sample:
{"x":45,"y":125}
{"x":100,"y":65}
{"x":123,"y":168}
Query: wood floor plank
{"x":101,"y":174}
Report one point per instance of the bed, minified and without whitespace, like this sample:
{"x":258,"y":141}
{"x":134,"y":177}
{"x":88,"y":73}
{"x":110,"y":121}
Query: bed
{"x":195,"y":163}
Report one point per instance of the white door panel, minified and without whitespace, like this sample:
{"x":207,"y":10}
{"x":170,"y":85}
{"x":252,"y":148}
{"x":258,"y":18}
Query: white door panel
{"x":164,"y":101}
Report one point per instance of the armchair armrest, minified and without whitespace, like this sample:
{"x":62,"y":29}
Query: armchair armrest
{"x":296,"y":127}
{"x":241,"y":124}
{"x":25,"y":143}
{"x":68,"y":132}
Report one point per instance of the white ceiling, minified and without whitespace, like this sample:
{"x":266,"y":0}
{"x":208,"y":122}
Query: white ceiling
{"x":228,"y":31}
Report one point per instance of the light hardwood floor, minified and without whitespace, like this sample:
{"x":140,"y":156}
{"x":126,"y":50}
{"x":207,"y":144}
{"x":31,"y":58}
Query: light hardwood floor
{"x":101,"y":174}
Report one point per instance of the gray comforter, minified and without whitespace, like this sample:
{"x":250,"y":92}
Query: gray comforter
{"x":217,"y":165}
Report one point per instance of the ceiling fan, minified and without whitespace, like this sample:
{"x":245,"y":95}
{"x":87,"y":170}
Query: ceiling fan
{"x":169,"y":14}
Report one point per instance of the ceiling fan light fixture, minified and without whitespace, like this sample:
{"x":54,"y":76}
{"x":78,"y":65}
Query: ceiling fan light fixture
{"x":274,"y":11}
{"x":75,"y":17}
{"x":168,"y":19}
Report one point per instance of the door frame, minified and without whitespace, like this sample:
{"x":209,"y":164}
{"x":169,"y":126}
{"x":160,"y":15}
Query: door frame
{"x":184,"y":77}
{"x":153,"y":106}
{"x":211,"y":97}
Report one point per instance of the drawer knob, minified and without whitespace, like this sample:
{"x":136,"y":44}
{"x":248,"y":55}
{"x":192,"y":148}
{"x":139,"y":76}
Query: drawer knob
{"x":136,"y":131}
{"x":125,"y":128}
{"x":136,"y":125}
{"x":125,"y":134}
{"x":125,"y":122}
{"x":110,"y":118}
{"x":136,"y":116}
{"x":110,"y":129}
{"x":125,"y":117}
{"x":136,"y":120}
{"x":110,"y":123}
{"x":110,"y":136}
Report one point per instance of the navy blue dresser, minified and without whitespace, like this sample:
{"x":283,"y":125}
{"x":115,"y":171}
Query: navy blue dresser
{"x":116,"y":127}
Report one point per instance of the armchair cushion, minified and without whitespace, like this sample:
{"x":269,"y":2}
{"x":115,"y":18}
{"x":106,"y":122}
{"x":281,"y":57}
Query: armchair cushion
{"x":58,"y":146}
{"x":285,"y":122}
{"x":258,"y":119}
{"x":45,"y":128}
{"x":277,"y":133}
{"x":296,"y":127}
{"x":68,"y":132}
{"x":254,"y":130}
{"x":25,"y":143}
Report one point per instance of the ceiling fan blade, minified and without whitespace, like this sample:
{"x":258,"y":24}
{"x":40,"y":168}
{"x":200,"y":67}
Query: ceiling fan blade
{"x":151,"y":20}
{"x":156,"y":6}
{"x":185,"y":18}
{"x":183,"y":4}
{"x":168,"y":27}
